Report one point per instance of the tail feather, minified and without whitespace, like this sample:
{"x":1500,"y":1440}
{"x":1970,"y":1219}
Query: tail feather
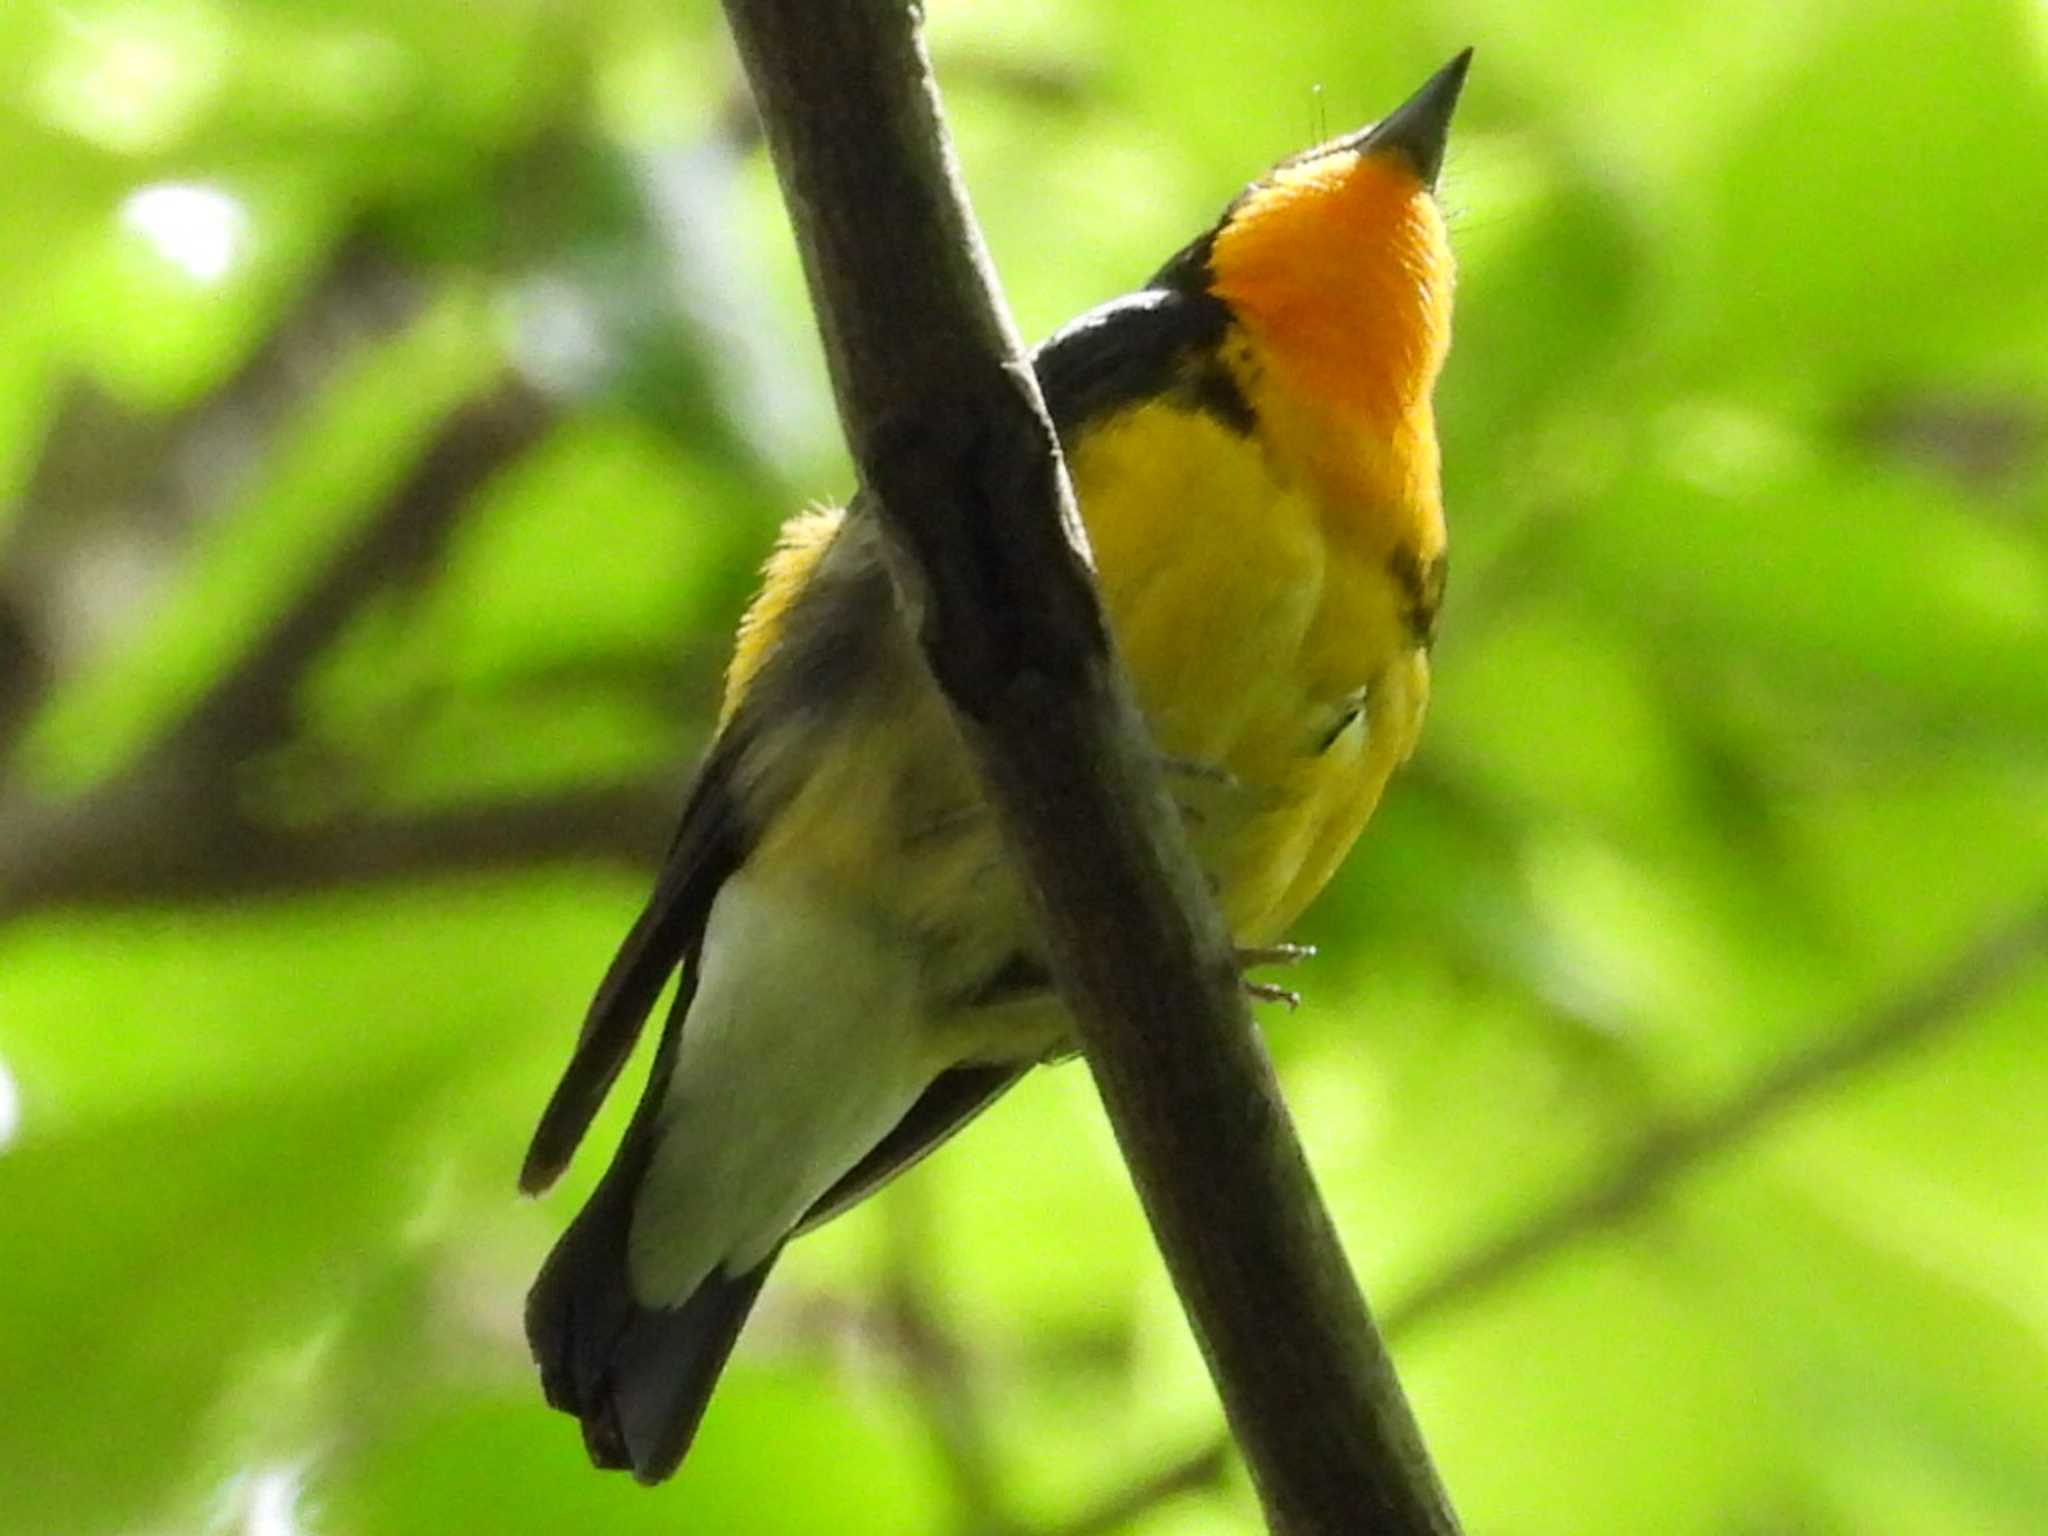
{"x":638,"y":1377}
{"x":760,"y":1108}
{"x":665,"y":1368}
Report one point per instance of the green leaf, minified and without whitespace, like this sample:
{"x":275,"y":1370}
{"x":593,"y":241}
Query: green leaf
{"x":783,"y":1450}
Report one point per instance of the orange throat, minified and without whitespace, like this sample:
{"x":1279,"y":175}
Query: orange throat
{"x":1338,"y":269}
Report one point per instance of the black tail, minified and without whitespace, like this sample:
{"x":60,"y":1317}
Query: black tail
{"x":638,"y":1377}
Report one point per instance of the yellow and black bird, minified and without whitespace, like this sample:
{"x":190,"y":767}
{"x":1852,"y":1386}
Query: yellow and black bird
{"x":1253,"y":446}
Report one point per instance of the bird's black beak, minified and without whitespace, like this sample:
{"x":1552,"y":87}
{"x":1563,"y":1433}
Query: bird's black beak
{"x":1416,"y":129}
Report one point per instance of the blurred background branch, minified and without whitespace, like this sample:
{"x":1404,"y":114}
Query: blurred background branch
{"x":1990,"y":965}
{"x":177,"y":820}
{"x":1664,"y":1156}
{"x":117,"y":489}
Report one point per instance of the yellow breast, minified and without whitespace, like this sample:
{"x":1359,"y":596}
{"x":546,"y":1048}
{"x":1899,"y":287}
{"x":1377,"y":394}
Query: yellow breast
{"x":1267,"y":630}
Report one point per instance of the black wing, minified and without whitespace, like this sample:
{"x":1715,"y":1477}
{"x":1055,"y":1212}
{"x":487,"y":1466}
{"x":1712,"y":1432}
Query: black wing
{"x":709,"y":845}
{"x":954,"y":1098}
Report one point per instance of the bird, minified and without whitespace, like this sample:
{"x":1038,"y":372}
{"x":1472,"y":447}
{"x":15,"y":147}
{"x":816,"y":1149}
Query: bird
{"x":1252,"y":444}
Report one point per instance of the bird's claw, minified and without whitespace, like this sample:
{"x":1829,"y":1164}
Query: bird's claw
{"x":1194,"y":768}
{"x":1267,"y":992}
{"x":1273,"y":954}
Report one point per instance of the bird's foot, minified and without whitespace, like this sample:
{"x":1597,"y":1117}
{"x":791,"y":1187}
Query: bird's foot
{"x":1194,"y":768}
{"x":1273,"y":954}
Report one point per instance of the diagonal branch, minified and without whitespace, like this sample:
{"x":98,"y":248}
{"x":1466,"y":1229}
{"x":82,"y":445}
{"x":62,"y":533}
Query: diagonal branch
{"x":1119,"y":1510}
{"x":940,"y":1372}
{"x":177,"y":812}
{"x":251,"y":704}
{"x":1913,"y":1020}
{"x":1906,"y":1022}
{"x":145,"y":482}
{"x":959,"y":461}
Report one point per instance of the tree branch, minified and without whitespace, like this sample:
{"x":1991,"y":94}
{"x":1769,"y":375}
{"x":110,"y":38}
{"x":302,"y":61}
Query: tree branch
{"x":177,"y":812}
{"x":251,"y":704}
{"x":83,"y":860}
{"x":940,"y":1371}
{"x":1204,"y":1469}
{"x":959,"y":460}
{"x":1664,"y":1157}
{"x":1987,"y":966}
{"x":145,"y":482}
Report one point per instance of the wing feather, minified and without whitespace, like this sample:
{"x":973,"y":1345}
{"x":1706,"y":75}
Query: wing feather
{"x":955,"y":1097}
{"x":708,"y":846}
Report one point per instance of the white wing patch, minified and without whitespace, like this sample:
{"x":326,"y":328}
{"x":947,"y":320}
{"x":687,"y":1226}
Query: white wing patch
{"x":803,"y":1046}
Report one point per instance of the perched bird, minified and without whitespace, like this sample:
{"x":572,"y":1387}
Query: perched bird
{"x":1253,"y":448}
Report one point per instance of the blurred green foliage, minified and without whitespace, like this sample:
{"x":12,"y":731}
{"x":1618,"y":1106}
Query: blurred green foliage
{"x":1741,"y":738}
